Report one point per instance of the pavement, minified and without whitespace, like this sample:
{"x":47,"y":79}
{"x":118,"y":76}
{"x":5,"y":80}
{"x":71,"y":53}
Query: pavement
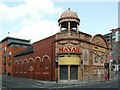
{"x":31,"y":83}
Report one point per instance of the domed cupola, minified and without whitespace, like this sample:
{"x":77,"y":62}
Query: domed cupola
{"x":69,"y":21}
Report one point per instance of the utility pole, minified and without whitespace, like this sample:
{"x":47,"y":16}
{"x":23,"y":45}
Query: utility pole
{"x":56,"y":68}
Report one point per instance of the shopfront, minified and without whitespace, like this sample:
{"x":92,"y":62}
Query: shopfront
{"x":69,"y":68}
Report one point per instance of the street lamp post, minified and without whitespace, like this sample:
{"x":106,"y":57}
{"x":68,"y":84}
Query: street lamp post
{"x":56,"y":68}
{"x":82,"y":67}
{"x":110,"y":69}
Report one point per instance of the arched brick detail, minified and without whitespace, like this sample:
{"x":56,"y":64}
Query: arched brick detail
{"x":21,"y":61}
{"x":31,"y":59}
{"x":47,"y":57}
{"x":36,"y":58}
{"x":25,"y":60}
{"x":16,"y":61}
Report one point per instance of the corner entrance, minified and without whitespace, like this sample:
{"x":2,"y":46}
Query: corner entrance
{"x":64,"y":72}
{"x":74,"y":72}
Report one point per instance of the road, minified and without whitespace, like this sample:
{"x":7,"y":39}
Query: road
{"x":12,"y":82}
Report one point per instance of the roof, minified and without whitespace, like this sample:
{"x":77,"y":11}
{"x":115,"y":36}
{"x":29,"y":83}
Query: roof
{"x":69,"y":13}
{"x":5,"y":39}
{"x":26,"y":51}
{"x":116,"y":29}
{"x":27,"y":44}
{"x":101,"y":37}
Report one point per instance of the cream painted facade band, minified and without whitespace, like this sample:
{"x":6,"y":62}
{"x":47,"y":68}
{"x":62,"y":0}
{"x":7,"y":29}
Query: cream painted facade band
{"x":98,"y":49}
{"x":69,"y":61}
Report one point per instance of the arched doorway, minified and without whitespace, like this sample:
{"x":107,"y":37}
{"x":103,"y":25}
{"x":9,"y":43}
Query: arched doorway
{"x":73,"y":72}
{"x":64,"y":72}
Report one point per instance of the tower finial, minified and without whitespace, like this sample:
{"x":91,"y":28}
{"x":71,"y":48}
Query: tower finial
{"x":68,"y":8}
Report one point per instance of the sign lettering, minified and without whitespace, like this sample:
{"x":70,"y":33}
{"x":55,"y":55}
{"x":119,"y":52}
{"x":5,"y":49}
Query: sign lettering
{"x":69,"y":49}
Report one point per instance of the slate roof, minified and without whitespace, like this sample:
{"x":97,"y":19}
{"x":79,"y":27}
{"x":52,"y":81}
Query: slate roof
{"x":26,"y":51}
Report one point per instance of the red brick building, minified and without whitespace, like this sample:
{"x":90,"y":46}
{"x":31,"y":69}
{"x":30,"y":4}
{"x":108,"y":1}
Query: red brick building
{"x":37,"y":61}
{"x":68,"y":55}
{"x":116,"y":45}
{"x":8,"y":47}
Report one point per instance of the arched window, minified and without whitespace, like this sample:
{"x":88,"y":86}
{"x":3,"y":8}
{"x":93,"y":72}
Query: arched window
{"x":21,"y":66}
{"x":31,"y":64}
{"x":96,"y":58}
{"x":37,"y":65}
{"x":25,"y":66}
{"x":102,"y":59}
{"x":46,"y":64}
{"x":16,"y":67}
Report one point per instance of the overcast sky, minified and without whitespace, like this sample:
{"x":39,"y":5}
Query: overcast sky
{"x":36,"y":19}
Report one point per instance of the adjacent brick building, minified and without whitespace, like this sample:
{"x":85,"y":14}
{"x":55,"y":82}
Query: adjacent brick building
{"x":116,"y":45}
{"x":68,"y":55}
{"x":8,"y":47}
